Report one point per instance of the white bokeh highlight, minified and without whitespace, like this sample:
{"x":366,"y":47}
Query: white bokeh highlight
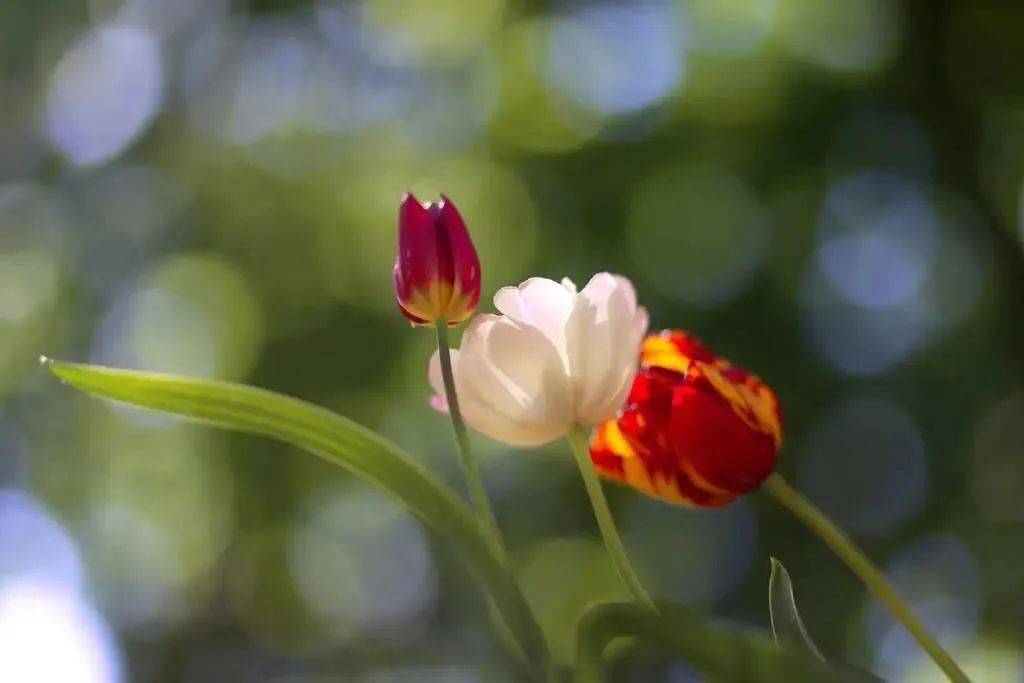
{"x":618,"y":58}
{"x":104,"y":93}
{"x":49,"y":630}
{"x":47,"y":633}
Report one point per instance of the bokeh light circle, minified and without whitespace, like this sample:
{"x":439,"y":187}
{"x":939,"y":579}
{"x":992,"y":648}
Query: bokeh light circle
{"x":865,"y":466}
{"x":50,"y":634}
{"x":878,"y":237}
{"x":697,"y":234}
{"x":104,"y":93}
{"x":729,"y":26}
{"x":863,"y":298}
{"x":938,"y":578}
{"x":711,"y":550}
{"x":137,"y":567}
{"x":361,"y":565}
{"x":33,"y":545}
{"x":35,"y":226}
{"x":193,"y":314}
{"x":997,"y":466}
{"x":49,"y":631}
{"x":617,"y":58}
{"x":851,"y":36}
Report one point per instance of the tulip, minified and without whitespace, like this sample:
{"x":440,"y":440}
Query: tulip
{"x":437,"y":271}
{"x":556,"y":358}
{"x":554,"y":363}
{"x":695,"y":430}
{"x":437,"y":283}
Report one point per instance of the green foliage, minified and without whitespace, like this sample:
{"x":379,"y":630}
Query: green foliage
{"x":719,"y":653}
{"x":788,"y":627}
{"x":786,"y":623}
{"x":362,"y":452}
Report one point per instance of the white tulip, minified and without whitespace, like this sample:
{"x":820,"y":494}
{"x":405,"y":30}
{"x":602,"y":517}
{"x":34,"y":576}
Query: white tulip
{"x":555,"y":358}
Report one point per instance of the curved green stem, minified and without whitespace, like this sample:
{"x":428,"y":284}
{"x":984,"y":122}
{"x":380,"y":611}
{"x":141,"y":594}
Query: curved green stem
{"x":467,"y":461}
{"x":579,"y":442}
{"x":865,"y":570}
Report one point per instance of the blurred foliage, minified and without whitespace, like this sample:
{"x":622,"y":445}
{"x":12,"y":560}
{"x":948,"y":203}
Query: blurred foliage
{"x":827,"y":193}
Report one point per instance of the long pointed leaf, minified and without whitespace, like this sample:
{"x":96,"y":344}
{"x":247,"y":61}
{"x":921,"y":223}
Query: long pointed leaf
{"x":341,"y":441}
{"x":786,"y":623}
{"x":787,"y":626}
{"x":718,"y":653}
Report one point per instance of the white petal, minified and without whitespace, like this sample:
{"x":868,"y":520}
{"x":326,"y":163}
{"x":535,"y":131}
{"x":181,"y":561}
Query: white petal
{"x":556,"y":357}
{"x":541,"y":303}
{"x":604,"y":287}
{"x":609,"y":332}
{"x":511,"y":383}
{"x":611,"y":396}
{"x":506,"y":300}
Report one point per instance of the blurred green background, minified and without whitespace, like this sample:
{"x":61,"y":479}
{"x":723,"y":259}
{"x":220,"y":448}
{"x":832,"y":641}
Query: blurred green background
{"x":828,"y":193}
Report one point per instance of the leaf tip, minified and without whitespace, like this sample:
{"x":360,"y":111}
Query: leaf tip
{"x":54,"y":367}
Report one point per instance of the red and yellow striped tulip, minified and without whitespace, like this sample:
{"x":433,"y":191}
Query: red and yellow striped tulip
{"x":437,"y":270}
{"x":696,"y":430}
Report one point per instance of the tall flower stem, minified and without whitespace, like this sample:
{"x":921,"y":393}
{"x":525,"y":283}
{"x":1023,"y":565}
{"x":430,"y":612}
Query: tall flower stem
{"x":579,"y":442}
{"x":865,"y":570}
{"x":467,"y":460}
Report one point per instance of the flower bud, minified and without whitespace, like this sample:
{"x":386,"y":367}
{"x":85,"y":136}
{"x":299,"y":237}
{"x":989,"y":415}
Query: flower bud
{"x":695,"y":430}
{"x":437,"y":271}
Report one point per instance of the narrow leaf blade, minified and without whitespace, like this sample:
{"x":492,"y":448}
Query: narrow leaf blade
{"x":786,"y":623}
{"x":359,"y":450}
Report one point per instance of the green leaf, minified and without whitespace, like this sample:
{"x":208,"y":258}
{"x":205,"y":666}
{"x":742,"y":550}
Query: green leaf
{"x":359,"y":450}
{"x":786,"y":623}
{"x":788,"y":627}
{"x":718,"y":653}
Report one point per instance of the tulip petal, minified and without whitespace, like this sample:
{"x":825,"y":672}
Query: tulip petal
{"x":543,"y":304}
{"x":623,"y":379}
{"x":510,"y":381}
{"x":603,"y":345}
{"x":616,"y":459}
{"x":718,"y":448}
{"x":555,"y":358}
{"x":748,"y":395}
{"x":603,"y":287}
{"x":528,"y":381}
{"x":696,"y":429}
{"x":464,"y":262}
{"x":418,"y":253}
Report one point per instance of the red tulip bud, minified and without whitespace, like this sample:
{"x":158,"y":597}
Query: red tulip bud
{"x":437,"y":271}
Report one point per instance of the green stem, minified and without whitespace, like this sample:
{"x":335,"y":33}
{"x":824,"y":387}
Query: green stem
{"x":467,"y":461}
{"x":859,"y":563}
{"x":580,"y":443}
